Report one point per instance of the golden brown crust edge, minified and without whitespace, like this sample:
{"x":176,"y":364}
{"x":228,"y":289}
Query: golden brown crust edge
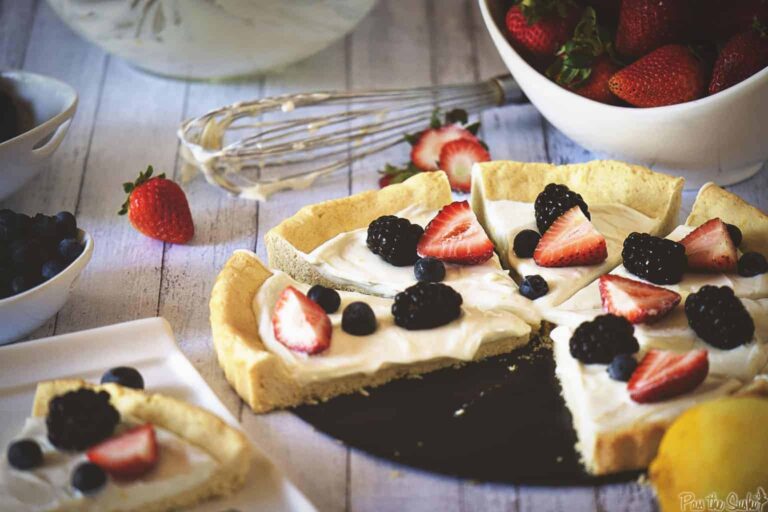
{"x":713,"y":201}
{"x":258,"y":376}
{"x":599,"y":181}
{"x":201,"y":428}
{"x":313,"y":225}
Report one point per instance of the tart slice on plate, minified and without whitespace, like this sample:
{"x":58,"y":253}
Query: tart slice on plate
{"x":114,"y":448}
{"x":419,"y":288}
{"x":566,"y":224}
{"x":657,"y":335}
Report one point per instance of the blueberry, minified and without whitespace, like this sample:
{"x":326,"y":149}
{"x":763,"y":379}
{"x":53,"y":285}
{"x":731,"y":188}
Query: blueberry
{"x":23,"y":225}
{"x":43,"y":226}
{"x":51,"y":269}
{"x":20,"y":284}
{"x":735,"y":233}
{"x":70,"y":249}
{"x":125,"y":376}
{"x":7,"y":216}
{"x":26,"y":256}
{"x":622,"y":367}
{"x":430,"y":270}
{"x":752,"y":264}
{"x":24,"y":454}
{"x":66,"y":225}
{"x":88,"y":478}
{"x":534,"y":287}
{"x":327,"y":298}
{"x":358,"y":319}
{"x":525,"y":243}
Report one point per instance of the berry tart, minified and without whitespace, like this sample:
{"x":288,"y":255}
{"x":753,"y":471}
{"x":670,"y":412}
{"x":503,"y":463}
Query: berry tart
{"x":682,"y":321}
{"x":419,"y":288}
{"x":558,"y":228}
{"x":113,"y":447}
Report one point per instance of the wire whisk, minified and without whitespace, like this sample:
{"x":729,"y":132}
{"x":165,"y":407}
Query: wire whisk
{"x":253,"y":149}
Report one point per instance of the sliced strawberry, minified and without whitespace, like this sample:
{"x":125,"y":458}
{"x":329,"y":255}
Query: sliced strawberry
{"x":457,"y":158}
{"x":665,"y":374}
{"x":300,"y":323}
{"x":425,"y":154}
{"x":636,"y":301}
{"x":709,"y":247}
{"x":455,"y":236}
{"x":570,"y":241}
{"x":128,"y":455}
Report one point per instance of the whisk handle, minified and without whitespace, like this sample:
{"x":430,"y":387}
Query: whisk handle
{"x":509,"y":91}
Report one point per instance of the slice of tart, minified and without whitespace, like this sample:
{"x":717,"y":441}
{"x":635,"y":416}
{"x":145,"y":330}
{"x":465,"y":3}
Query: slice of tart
{"x":363,"y":243}
{"x":280,"y":348}
{"x":706,"y":329}
{"x":522,"y":207}
{"x":113,"y":448}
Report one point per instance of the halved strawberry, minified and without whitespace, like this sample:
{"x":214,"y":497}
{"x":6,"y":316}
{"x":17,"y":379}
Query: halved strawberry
{"x":571,"y":240}
{"x":636,"y":301}
{"x":665,"y":374}
{"x":127,"y":455}
{"x":425,"y":154}
{"x":455,"y":236}
{"x":300,"y":323}
{"x":457,"y":158}
{"x":709,"y":247}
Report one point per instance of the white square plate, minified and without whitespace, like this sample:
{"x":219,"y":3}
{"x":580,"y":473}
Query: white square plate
{"x":149,"y":346}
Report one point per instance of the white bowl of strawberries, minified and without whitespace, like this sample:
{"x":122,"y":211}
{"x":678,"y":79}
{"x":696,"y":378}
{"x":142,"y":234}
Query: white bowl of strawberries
{"x":646,"y":96}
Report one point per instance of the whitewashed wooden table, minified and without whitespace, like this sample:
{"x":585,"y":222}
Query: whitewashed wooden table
{"x":127,"y":119}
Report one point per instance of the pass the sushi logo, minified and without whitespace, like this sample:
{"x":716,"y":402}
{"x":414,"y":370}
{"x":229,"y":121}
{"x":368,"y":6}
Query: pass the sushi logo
{"x":756,"y":501}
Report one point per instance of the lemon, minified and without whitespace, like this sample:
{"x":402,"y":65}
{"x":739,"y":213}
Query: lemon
{"x":718,"y":447}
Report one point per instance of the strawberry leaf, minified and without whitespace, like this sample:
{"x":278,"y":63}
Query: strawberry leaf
{"x":435,"y":122}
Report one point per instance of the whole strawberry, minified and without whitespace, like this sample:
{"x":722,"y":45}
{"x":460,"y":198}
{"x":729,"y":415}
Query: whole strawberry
{"x":584,"y":64}
{"x":742,"y":56}
{"x":669,"y":75}
{"x":540,"y":27}
{"x":158,"y":208}
{"x":645,"y":25}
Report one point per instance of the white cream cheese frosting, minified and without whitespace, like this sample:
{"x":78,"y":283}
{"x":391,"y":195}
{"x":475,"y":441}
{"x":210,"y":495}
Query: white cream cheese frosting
{"x":181,"y":466}
{"x":346,"y":259}
{"x":505,"y":219}
{"x":389,"y":344}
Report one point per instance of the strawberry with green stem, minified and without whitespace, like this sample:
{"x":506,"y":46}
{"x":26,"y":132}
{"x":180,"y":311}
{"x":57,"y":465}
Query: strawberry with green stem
{"x":157,"y":207}
{"x":586,"y":62}
{"x":539,"y":27}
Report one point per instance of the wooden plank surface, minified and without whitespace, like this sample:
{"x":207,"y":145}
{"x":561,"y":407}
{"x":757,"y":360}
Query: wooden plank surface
{"x":127,"y":119}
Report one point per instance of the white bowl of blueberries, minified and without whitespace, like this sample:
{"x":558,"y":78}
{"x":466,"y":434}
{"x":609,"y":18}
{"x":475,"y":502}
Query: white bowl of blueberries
{"x":40,"y":258}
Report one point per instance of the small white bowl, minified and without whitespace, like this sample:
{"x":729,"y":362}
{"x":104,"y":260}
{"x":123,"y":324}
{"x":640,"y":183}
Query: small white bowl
{"x":46,"y":107}
{"x":720,"y":138}
{"x":23,"y":313}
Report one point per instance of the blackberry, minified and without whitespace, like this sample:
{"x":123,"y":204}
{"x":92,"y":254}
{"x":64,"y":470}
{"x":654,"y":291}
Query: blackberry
{"x":602,"y":339}
{"x":326,"y":298}
{"x":358,"y":319}
{"x":394,"y":239}
{"x":429,"y":269}
{"x":658,"y":260}
{"x":719,"y":317}
{"x":554,"y":201}
{"x":752,"y":264}
{"x":534,"y":287}
{"x":124,"y":376}
{"x":426,"y":305}
{"x":81,"y":418}
{"x":735,"y":233}
{"x":525,"y":243}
